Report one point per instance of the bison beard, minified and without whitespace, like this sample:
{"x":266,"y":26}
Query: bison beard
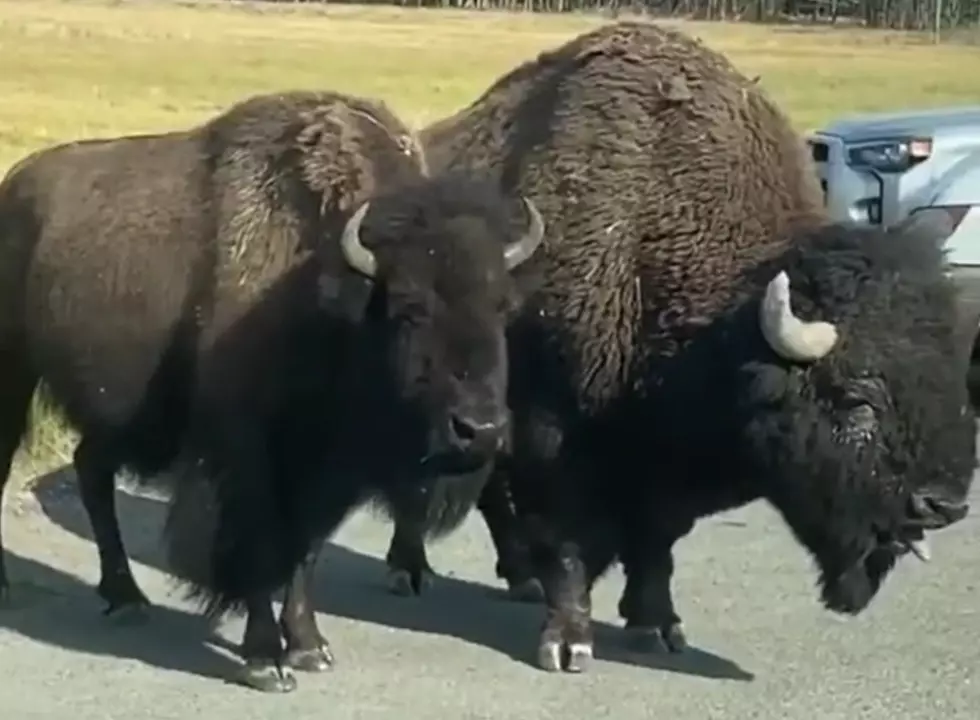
{"x":280,"y":307}
{"x":693,"y":298}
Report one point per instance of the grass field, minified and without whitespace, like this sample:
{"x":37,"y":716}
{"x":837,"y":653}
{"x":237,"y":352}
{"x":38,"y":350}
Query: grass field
{"x":78,"y":68}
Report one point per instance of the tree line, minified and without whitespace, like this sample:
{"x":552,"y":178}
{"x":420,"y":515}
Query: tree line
{"x":931,"y":15}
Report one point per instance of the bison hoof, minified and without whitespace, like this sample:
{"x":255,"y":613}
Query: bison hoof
{"x":125,"y":602}
{"x":268,"y":676}
{"x":130,"y":614}
{"x":404,"y":583}
{"x":527,"y":591}
{"x":313,"y":661}
{"x":668,"y":639}
{"x":556,"y":656}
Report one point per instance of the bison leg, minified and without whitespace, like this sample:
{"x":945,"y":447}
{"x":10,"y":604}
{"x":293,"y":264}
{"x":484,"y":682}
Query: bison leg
{"x":409,"y":572}
{"x":513,"y":558}
{"x":306,"y":648}
{"x":265,"y":668}
{"x":647,"y":604}
{"x":96,"y":469}
{"x":568,"y":575}
{"x":648,"y":607}
{"x":16,"y":388}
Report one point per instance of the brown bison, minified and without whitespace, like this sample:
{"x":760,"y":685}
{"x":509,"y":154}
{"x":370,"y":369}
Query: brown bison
{"x":701,"y":337}
{"x":280,"y":306}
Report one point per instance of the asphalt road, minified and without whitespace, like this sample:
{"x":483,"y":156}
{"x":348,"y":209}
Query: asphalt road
{"x":762,"y":647}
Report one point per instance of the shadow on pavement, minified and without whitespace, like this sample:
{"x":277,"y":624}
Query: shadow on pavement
{"x":54,"y":608}
{"x":350,"y":585}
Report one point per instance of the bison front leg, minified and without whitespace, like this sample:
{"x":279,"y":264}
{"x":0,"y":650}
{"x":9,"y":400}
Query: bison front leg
{"x":409,"y":572}
{"x":514,"y":563}
{"x":647,"y":605}
{"x":566,"y":641}
{"x":306,"y":648}
{"x":266,"y":667}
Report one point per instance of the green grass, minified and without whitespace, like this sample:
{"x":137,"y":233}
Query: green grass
{"x":81,"y":68}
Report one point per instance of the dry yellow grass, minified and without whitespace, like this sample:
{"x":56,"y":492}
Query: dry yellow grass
{"x":83,"y":68}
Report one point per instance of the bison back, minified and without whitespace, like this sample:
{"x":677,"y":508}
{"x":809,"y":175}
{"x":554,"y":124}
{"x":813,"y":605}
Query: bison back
{"x":663,"y":174}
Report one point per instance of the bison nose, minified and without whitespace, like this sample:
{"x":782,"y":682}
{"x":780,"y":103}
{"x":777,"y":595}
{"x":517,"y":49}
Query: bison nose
{"x":471,"y":435}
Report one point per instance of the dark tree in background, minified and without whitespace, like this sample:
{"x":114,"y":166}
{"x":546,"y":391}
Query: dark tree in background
{"x":929,"y":15}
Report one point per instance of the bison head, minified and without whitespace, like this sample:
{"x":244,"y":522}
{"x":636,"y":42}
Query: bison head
{"x":865,"y":439}
{"x":438,"y":262}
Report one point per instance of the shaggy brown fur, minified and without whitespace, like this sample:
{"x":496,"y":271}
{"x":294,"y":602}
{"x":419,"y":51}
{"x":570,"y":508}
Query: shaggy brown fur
{"x":653,"y":204}
{"x":185,"y":294}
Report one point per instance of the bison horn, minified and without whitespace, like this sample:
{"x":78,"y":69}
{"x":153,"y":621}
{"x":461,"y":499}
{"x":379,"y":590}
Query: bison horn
{"x":358,"y":256}
{"x":787,"y":335}
{"x":518,"y":252}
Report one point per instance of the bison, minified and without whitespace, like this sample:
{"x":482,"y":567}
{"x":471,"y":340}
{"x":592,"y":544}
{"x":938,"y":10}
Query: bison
{"x":702,"y":337}
{"x":280,"y":308}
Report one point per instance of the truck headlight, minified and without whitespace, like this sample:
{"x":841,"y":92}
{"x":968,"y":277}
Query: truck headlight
{"x":889,"y":156}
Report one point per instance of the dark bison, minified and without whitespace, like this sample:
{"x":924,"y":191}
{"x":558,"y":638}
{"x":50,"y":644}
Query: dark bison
{"x":279,"y":306}
{"x":702,"y":337}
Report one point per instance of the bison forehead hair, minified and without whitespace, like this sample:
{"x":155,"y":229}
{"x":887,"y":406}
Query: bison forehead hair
{"x":450,"y":230}
{"x":874,"y":443}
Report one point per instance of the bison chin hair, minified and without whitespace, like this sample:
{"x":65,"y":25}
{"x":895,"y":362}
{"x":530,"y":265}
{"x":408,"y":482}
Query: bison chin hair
{"x":441,"y":504}
{"x":854,"y":554}
{"x":847,"y":533}
{"x":824,"y":476}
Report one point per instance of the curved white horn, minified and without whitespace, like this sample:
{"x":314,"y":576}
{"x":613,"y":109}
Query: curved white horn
{"x":519,"y":251}
{"x":787,"y":335}
{"x":358,"y":256}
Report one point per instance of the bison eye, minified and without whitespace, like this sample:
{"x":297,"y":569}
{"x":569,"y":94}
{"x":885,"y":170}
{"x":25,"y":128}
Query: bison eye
{"x":869,"y":390}
{"x":858,"y":425}
{"x":411,"y":313}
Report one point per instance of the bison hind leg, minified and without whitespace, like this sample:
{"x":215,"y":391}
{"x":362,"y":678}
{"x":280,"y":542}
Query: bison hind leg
{"x":17,"y":384}
{"x":96,"y":464}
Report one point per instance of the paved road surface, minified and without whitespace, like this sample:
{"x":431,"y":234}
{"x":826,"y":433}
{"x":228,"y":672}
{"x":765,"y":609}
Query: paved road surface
{"x":765,"y":648}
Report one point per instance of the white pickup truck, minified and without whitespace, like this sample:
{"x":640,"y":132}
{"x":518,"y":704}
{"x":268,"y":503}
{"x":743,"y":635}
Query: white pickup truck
{"x":879,"y":169}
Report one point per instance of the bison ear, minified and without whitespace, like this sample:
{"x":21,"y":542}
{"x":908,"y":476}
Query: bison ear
{"x":764,"y":383}
{"x":514,"y":300}
{"x":346,"y":296}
